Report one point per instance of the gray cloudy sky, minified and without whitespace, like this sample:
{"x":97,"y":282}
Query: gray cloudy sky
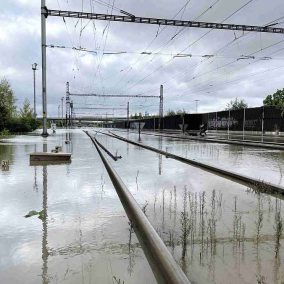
{"x":212,"y":80}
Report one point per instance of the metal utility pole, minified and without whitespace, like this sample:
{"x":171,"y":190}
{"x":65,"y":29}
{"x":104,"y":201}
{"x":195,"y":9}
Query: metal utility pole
{"x":127,"y":115}
{"x":161,"y":112}
{"x":196,"y":102}
{"x":34,"y":69}
{"x":70,"y":118}
{"x":58,"y":111}
{"x":43,"y":53}
{"x":244,"y":124}
{"x":62,"y":109}
{"x":67,"y":105}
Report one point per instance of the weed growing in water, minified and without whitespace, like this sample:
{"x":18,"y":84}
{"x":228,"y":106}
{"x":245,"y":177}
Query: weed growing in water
{"x":259,"y":221}
{"x":261,"y":279}
{"x":103,"y":184}
{"x":185,"y":224}
{"x":263,"y":187}
{"x":201,"y":218}
{"x":155,"y":200}
{"x":144,"y":207}
{"x":170,"y":207}
{"x":137,"y":179}
{"x":220,"y":198}
{"x":172,"y":243}
{"x":212,"y":222}
{"x":278,"y":227}
{"x":175,"y":204}
{"x":118,"y":281}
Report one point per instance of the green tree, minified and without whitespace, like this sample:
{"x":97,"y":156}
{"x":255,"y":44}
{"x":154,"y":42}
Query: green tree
{"x":170,"y":112}
{"x":181,"y":111}
{"x":7,"y":103}
{"x":236,"y":104}
{"x":26,"y":112}
{"x":277,"y":99}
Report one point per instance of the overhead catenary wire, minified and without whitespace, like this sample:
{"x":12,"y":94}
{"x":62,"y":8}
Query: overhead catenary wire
{"x":188,"y":69}
{"x":157,"y":69}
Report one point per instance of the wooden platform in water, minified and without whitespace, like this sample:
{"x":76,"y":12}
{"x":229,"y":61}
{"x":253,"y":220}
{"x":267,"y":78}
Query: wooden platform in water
{"x":44,"y":156}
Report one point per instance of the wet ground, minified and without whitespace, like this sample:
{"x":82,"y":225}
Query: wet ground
{"x":218,"y":231}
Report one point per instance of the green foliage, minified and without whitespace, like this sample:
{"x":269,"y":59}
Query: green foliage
{"x":4,"y":133}
{"x":178,"y":112}
{"x":7,"y":103}
{"x":26,"y":112}
{"x":136,"y":116}
{"x":277,"y":99}
{"x":9,"y":120}
{"x":181,"y":111}
{"x":170,"y":112}
{"x":236,"y":104}
{"x":42,"y":214}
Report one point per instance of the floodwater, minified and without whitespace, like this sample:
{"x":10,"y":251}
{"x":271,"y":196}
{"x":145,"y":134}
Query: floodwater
{"x":218,"y":231}
{"x":85,"y":236}
{"x":260,"y":163}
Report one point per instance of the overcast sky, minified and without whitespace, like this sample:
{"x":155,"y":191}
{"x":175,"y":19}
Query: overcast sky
{"x":212,"y":80}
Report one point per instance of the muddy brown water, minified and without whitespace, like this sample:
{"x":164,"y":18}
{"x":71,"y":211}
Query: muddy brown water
{"x":218,"y":231}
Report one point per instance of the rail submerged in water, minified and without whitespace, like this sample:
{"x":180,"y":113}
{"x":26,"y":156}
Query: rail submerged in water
{"x":264,"y":186}
{"x":163,"y":265}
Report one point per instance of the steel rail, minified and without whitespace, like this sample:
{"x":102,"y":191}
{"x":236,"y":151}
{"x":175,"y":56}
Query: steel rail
{"x":259,"y":144}
{"x":105,"y":149}
{"x":269,"y":187}
{"x":163,"y":265}
{"x":165,"y":22}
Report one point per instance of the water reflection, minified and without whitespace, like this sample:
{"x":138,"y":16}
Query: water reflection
{"x":45,"y":253}
{"x":131,"y":251}
{"x":7,"y":153}
{"x":160,"y":147}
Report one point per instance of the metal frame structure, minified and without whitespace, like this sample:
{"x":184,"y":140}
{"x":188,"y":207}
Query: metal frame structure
{"x":45,"y":12}
{"x":165,"y":22}
{"x":161,"y":105}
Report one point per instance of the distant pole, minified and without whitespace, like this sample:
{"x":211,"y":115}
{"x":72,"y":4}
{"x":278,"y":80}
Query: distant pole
{"x":127,"y":115}
{"x":67,"y":105}
{"x":58,"y":111}
{"x":62,"y":109}
{"x":229,"y":122}
{"x":262,"y":123}
{"x":70,"y":119}
{"x":161,"y":107}
{"x":43,"y":52}
{"x":207,"y":121}
{"x":196,"y":104}
{"x":34,"y":69}
{"x":244,"y":123}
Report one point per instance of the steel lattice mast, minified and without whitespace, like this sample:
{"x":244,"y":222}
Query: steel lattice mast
{"x":45,"y":12}
{"x":165,"y":22}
